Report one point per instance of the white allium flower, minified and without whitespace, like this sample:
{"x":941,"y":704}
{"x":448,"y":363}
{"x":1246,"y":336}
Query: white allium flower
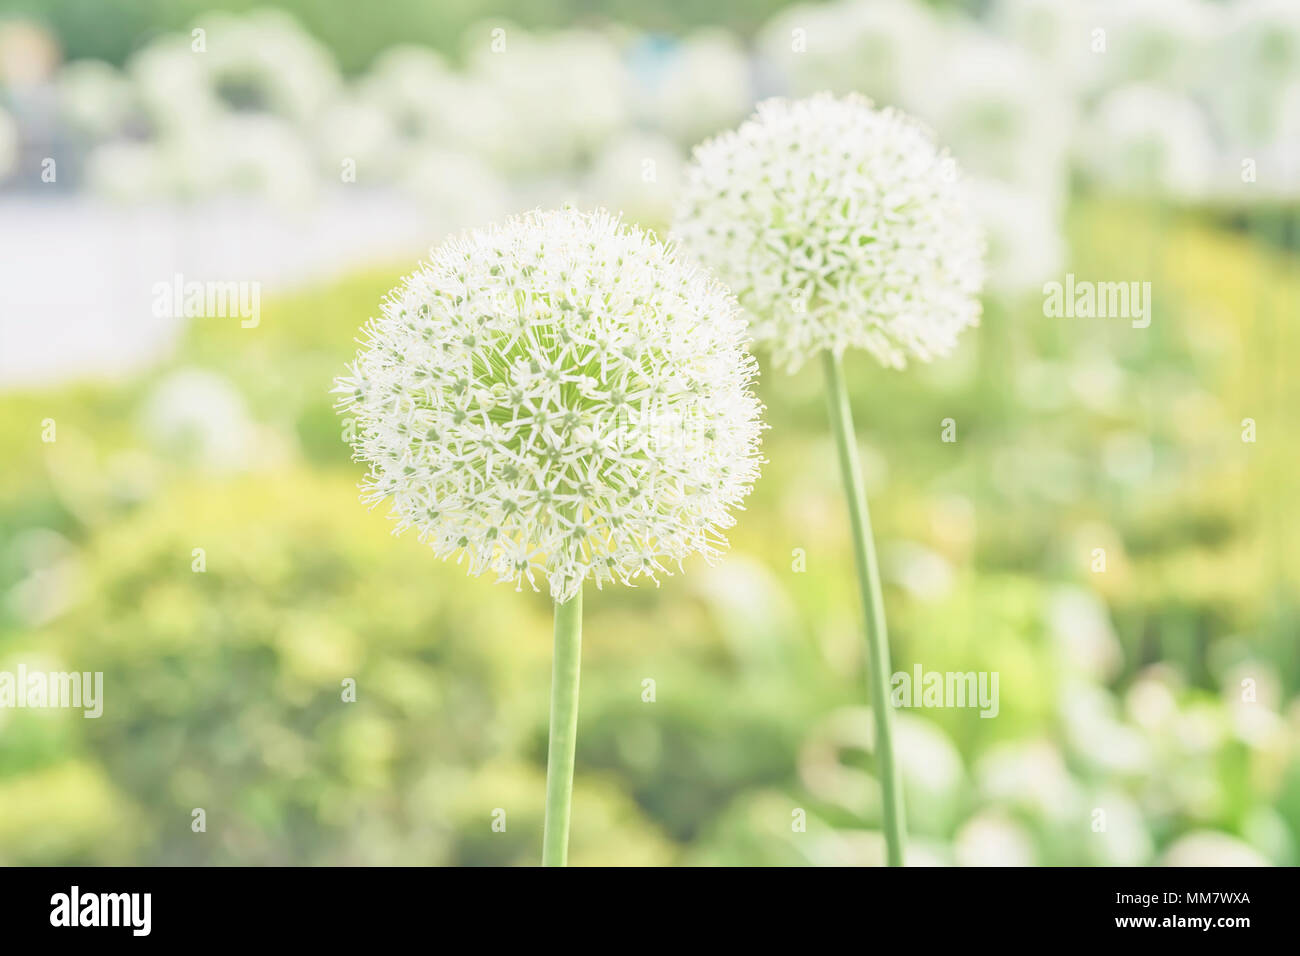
{"x":558,"y":396}
{"x":1145,"y":140}
{"x":837,"y":226}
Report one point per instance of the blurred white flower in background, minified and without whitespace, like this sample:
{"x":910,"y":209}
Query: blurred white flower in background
{"x":1142,"y":140}
{"x":353,"y":129}
{"x":127,"y":171}
{"x":555,"y":98}
{"x":198,"y":417}
{"x":1210,"y":848}
{"x":1163,"y":42}
{"x":994,"y":839}
{"x":1128,"y":458}
{"x":1029,"y":774}
{"x":1098,"y":382}
{"x":639,"y":175}
{"x":922,"y":572}
{"x":197,"y":161}
{"x":932,"y":768}
{"x":261,"y":155}
{"x":1000,"y":112}
{"x":453,"y":188}
{"x":753,"y":611}
{"x":702,"y":89}
{"x":416,"y":90}
{"x":1278,"y":161}
{"x":880,"y":48}
{"x":170,"y":84}
{"x":934,"y":777}
{"x":1058,"y":33}
{"x":95,"y":97}
{"x":1095,"y":733}
{"x":1023,"y":229}
{"x":1001,"y":91}
{"x":49,"y":575}
{"x":1124,"y":839}
{"x":1258,"y":58}
{"x":265,"y":61}
{"x":1151,"y":703}
{"x":8,"y":143}
{"x":538,"y":118}
{"x":1080,"y":628}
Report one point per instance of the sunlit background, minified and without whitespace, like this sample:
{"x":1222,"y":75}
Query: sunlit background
{"x":1114,"y":530}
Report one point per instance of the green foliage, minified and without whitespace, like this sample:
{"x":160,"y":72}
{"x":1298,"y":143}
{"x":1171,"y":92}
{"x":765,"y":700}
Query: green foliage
{"x":224,"y":687}
{"x":111,"y":31}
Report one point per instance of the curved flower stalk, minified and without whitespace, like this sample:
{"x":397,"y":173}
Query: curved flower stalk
{"x":840,"y":226}
{"x":556,"y":400}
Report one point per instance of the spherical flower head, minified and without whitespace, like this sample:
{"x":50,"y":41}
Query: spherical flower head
{"x":558,"y":397}
{"x":837,"y":226}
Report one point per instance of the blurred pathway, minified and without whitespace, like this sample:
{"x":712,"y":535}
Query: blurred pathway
{"x":77,"y":274}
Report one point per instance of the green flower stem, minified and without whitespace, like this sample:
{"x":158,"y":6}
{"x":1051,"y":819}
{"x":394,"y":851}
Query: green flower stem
{"x":864,"y":549}
{"x":564,"y":730}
